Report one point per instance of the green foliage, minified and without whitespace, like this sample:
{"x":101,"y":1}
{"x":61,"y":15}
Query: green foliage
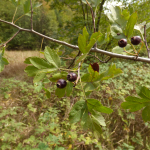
{"x":135,"y":103}
{"x":92,"y":93}
{"x":3,"y":61}
{"x":83,"y":43}
{"x":130,"y":25}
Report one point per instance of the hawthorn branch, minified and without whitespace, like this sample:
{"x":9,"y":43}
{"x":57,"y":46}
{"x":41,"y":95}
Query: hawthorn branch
{"x":99,"y":16}
{"x":83,"y":12}
{"x":93,"y":16}
{"x":74,"y":59}
{"x":79,"y":66}
{"x":10,"y":39}
{"x":145,"y":41}
{"x":31,"y":15}
{"x":113,"y":55}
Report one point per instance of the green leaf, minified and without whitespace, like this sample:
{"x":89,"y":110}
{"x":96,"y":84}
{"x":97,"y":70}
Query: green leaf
{"x":90,"y":45}
{"x":101,"y":39}
{"x":144,"y":93}
{"x":133,"y":106}
{"x":110,"y":73}
{"x":85,"y":34}
{"x":60,"y":92}
{"x":31,"y":71}
{"x":140,"y":27}
{"x":80,"y":58}
{"x":82,"y":43}
{"x":3,"y":61}
{"x":77,"y":111}
{"x":57,"y":76}
{"x":52,"y":57}
{"x":148,"y":27}
{"x":47,"y":92}
{"x":69,"y":88}
{"x":115,"y":30}
{"x":39,"y":76}
{"x":27,"y":60}
{"x":94,"y":104}
{"x":134,"y":103}
{"x":42,"y":146}
{"x":38,"y":86}
{"x":146,"y":113}
{"x":120,"y":50}
{"x":86,"y":77}
{"x":90,"y":86}
{"x":95,"y":35}
{"x":130,"y":24}
{"x":117,"y":16}
{"x":27,"y":6}
{"x":126,"y":14}
{"x":40,"y":63}
{"x":98,"y":118}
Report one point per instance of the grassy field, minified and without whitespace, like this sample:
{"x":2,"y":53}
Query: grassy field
{"x":31,"y":121}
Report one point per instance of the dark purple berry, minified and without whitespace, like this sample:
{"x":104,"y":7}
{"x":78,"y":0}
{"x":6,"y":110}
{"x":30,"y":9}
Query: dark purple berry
{"x":135,"y":40}
{"x":71,"y":77}
{"x":61,"y":83}
{"x":122,"y":42}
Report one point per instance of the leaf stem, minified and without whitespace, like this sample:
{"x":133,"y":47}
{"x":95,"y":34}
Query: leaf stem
{"x":19,"y":18}
{"x":130,"y":53}
{"x":14,"y":14}
{"x":68,"y":69}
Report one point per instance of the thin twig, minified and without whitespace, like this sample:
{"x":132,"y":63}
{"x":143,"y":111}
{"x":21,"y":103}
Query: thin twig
{"x":145,"y":41}
{"x":114,"y":55}
{"x":74,"y":59}
{"x":78,"y":78}
{"x":66,"y":58}
{"x":41,"y":45}
{"x":14,"y":14}
{"x":100,"y":12}
{"x":31,"y":15}
{"x":101,"y":60}
{"x":83,"y":12}
{"x":93,"y":16}
{"x":10,"y":39}
{"x":19,"y":18}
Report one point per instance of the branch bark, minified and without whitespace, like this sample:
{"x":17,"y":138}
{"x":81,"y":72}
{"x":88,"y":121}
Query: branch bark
{"x":113,"y":55}
{"x":83,"y":12}
{"x":31,"y":15}
{"x":10,"y":39}
{"x":100,"y":12}
{"x":145,"y":41}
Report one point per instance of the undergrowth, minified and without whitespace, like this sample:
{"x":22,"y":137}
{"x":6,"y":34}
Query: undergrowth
{"x":31,"y":121}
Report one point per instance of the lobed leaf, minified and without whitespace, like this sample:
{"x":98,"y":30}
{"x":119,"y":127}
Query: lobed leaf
{"x":52,"y":57}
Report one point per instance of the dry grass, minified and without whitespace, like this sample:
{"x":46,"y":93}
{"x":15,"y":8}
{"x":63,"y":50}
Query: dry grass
{"x":16,"y":65}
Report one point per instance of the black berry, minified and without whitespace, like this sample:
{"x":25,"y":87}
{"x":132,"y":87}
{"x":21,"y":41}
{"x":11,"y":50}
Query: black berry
{"x":61,"y":83}
{"x":71,"y":77}
{"x":135,"y":40}
{"x":122,"y":42}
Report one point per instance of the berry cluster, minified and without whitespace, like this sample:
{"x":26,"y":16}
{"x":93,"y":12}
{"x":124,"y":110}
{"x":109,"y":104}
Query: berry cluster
{"x":61,"y":83}
{"x":135,"y":40}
